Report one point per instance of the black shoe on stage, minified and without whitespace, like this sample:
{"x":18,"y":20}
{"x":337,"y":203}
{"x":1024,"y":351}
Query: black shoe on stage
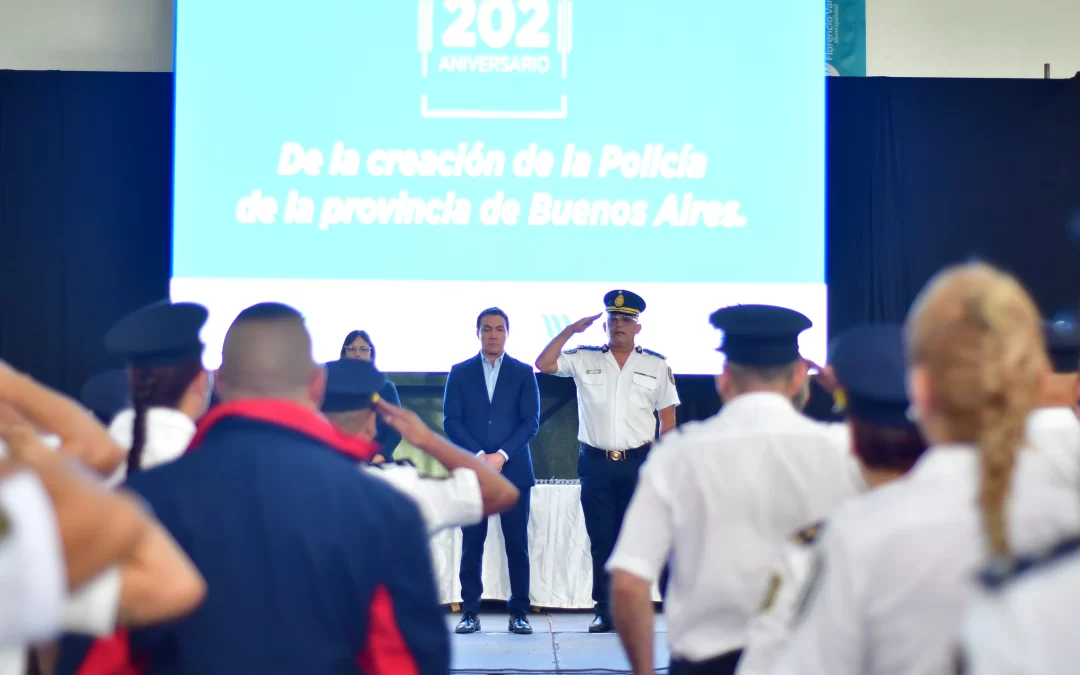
{"x":470,"y":623}
{"x":520,"y":625}
{"x":601,"y":624}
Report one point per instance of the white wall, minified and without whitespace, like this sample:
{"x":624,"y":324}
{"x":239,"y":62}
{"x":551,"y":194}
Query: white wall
{"x":905,"y":38}
{"x":972,"y":38}
{"x":126,"y":35}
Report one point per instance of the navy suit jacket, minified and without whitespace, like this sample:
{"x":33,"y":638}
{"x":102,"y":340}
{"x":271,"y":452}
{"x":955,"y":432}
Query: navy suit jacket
{"x":508,"y":422}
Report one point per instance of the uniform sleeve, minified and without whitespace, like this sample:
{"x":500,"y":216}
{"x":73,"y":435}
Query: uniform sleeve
{"x":569,"y":363}
{"x":94,"y":608}
{"x":645,"y":539}
{"x":453,"y":501}
{"x":33,"y":575}
{"x":769,"y":630}
{"x":405,"y":631}
{"x":827,"y":636}
{"x":667,"y":395}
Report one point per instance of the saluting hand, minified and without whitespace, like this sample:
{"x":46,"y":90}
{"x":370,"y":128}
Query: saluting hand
{"x":581,"y":325}
{"x":405,"y":422}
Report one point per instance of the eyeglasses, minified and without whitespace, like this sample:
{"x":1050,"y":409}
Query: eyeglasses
{"x":358,"y":350}
{"x":615,"y":319}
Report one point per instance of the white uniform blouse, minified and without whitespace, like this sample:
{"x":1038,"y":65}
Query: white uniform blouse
{"x":897,"y":565}
{"x":453,"y":501}
{"x":168,"y":433}
{"x":1056,"y":433}
{"x":720,"y":496}
{"x":1029,"y":625}
{"x":616,"y":406}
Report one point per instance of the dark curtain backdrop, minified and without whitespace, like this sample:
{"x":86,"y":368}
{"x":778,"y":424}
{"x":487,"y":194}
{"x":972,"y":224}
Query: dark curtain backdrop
{"x":921,"y":173}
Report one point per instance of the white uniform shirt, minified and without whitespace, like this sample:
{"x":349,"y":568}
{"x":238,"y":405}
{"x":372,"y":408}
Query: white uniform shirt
{"x":1029,"y":625}
{"x":615,"y":407}
{"x":1056,"y":433}
{"x":453,"y":501}
{"x":33,"y":575}
{"x":168,"y":433}
{"x":770,"y":629}
{"x":92,"y":610}
{"x":898,"y":565}
{"x":721,"y":496}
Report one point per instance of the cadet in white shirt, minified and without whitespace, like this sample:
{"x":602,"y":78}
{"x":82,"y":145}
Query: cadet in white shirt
{"x":473,"y":490}
{"x":868,"y":362}
{"x":1025,"y":615}
{"x":1054,"y":427}
{"x":170,"y":389}
{"x":621,"y":389}
{"x":898,"y":565}
{"x":720,"y":496}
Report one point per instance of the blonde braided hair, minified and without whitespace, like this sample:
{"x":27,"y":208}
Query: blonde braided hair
{"x":976,"y":334}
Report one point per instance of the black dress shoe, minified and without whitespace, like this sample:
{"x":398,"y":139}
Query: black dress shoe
{"x":601,"y":624}
{"x":470,"y":623}
{"x":520,"y":625}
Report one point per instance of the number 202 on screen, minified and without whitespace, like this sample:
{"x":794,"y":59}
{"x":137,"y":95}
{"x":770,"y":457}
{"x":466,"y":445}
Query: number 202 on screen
{"x":498,"y":31}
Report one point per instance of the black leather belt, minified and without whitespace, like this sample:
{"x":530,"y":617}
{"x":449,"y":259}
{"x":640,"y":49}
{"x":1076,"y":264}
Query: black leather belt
{"x":620,"y":455}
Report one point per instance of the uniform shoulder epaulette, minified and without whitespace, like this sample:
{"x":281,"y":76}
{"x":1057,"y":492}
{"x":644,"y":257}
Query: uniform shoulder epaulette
{"x":590,"y":348}
{"x":1006,"y":569}
{"x":652,"y":353}
{"x":808,"y":535}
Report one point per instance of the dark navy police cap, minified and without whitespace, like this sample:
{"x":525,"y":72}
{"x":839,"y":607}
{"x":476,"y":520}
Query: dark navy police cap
{"x":106,"y":394}
{"x":870,"y":368}
{"x":160,"y":334}
{"x":1063,"y":343}
{"x":351,"y":384}
{"x":624,"y":302}
{"x":760,"y":335}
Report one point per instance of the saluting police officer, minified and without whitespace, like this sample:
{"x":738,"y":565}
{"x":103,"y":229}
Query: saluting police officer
{"x":619,"y":388}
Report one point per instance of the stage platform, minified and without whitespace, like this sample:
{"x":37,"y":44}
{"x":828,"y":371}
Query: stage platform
{"x":560,"y":643}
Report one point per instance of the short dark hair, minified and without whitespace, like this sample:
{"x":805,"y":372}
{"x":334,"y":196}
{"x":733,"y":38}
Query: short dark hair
{"x":269,"y":310}
{"x":881,"y":447}
{"x":351,"y":338}
{"x":493,"y":311}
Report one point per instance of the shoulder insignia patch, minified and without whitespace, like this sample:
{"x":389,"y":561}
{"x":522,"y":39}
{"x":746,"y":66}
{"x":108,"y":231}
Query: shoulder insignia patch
{"x":670,"y":376}
{"x":771,"y":592}
{"x":808,"y":535}
{"x":570,"y":351}
{"x":1005,"y":569}
{"x":652,"y":353}
{"x":5,"y":525}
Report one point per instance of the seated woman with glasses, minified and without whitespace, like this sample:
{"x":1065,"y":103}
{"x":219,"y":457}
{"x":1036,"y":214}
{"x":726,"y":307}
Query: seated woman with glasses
{"x":358,"y":345}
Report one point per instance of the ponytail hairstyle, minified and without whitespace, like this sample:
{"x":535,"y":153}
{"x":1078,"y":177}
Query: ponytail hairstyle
{"x":157,"y":386}
{"x":977,"y":336}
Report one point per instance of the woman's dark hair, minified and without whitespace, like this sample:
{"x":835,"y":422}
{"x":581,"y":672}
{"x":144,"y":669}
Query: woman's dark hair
{"x":159,"y":386}
{"x":888,"y":448}
{"x":493,"y":311}
{"x":351,"y":338}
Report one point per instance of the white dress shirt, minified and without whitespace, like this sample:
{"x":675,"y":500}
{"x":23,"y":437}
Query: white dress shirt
{"x":720,"y":497}
{"x":1056,"y":433}
{"x":453,"y":501}
{"x":33,"y":575}
{"x":1029,"y":625}
{"x":491,"y":378}
{"x":168,"y":433}
{"x":898,"y":565}
{"x":616,"y":406}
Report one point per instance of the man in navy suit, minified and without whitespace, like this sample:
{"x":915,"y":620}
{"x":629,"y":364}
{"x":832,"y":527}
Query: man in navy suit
{"x":492,"y":407}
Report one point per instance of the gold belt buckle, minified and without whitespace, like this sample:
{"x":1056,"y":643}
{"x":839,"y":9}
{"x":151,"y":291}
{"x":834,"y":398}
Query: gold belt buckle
{"x":616,"y":455}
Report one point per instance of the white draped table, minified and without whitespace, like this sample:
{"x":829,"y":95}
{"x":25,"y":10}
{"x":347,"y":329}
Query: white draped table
{"x":560,"y":560}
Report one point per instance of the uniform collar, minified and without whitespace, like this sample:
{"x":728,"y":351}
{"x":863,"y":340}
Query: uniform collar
{"x":949,"y":460}
{"x":288,"y":415}
{"x":757,"y":402}
{"x":1052,"y":417}
{"x":158,"y":415}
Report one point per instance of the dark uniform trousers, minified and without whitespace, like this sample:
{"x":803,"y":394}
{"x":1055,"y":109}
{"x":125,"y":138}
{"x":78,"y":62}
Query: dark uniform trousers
{"x":606,"y":489}
{"x":515,"y":529}
{"x":725,"y":664}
